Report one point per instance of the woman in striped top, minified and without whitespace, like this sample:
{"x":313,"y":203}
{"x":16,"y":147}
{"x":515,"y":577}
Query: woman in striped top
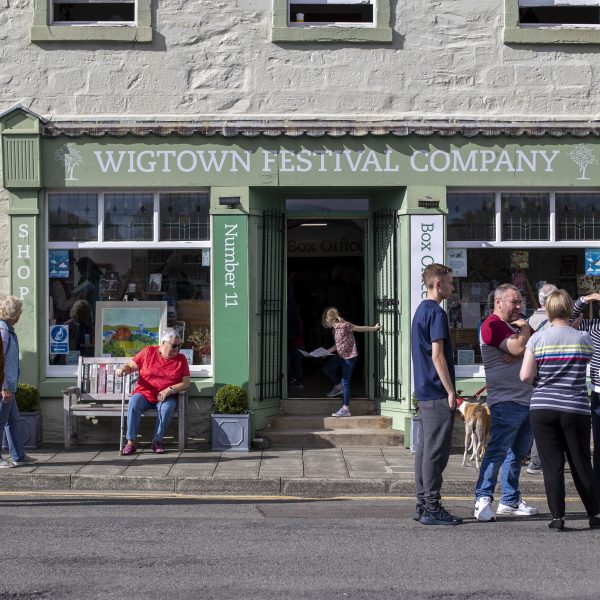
{"x":555,"y":363}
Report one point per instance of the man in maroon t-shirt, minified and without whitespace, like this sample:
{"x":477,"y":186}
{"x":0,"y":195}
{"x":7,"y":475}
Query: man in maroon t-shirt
{"x":503,"y":338}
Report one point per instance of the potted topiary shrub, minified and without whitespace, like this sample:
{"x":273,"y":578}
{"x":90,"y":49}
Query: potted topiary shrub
{"x":230,"y":428}
{"x":30,"y":423}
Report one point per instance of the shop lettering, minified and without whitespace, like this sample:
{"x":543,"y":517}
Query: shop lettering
{"x":231,"y":296}
{"x":23,"y":254}
{"x":335,"y":245}
{"x":325,"y":161}
{"x":426,"y":232}
{"x":482,"y":161}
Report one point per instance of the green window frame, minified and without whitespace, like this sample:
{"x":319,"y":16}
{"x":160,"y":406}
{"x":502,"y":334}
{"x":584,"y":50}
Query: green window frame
{"x":515,"y":34}
{"x":43,"y":31}
{"x":380,"y":31}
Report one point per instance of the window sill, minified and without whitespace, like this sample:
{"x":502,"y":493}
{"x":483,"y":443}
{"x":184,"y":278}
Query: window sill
{"x":331,"y":34}
{"x":83,"y":33}
{"x":531,"y":35}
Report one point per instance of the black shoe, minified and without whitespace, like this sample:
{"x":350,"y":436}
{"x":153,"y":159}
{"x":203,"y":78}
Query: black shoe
{"x":418,"y":512}
{"x":439,"y":516}
{"x":558,"y":524}
{"x":594,"y":522}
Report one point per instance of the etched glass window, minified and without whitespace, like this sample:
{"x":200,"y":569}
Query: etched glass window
{"x":128,"y":217}
{"x":471,"y":216}
{"x":525,"y":216}
{"x":577,"y":217}
{"x":73,"y":217}
{"x":184,"y":216}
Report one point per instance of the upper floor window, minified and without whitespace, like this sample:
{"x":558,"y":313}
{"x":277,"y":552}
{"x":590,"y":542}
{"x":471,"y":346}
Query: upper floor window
{"x":331,"y":12}
{"x":552,"y":21}
{"x":93,"y":12}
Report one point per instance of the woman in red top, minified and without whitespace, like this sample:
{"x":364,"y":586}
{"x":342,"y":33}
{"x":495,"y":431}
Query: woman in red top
{"x":163,"y":373}
{"x":345,"y":346}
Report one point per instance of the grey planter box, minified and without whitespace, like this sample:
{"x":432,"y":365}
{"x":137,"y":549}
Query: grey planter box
{"x":30,"y":428}
{"x":230,"y":432}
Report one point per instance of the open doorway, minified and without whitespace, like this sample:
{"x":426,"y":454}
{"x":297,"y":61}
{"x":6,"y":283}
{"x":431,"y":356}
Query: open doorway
{"x":326,"y":267}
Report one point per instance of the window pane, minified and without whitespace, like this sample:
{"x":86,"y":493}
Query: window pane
{"x":73,"y":217}
{"x":471,"y":217}
{"x":184,"y":216}
{"x":525,"y":216}
{"x":180,"y":278}
{"x":93,"y":12}
{"x":578,"y":216}
{"x":128,"y":217}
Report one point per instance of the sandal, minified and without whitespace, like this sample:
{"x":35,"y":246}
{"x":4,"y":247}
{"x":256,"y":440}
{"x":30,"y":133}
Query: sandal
{"x":129,"y":449}
{"x":158,"y":447}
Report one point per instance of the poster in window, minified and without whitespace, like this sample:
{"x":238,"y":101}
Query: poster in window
{"x":155,"y":282}
{"x":465,"y":357}
{"x":58,"y":264}
{"x":125,"y":328}
{"x":456,"y":259}
{"x":592,"y":262}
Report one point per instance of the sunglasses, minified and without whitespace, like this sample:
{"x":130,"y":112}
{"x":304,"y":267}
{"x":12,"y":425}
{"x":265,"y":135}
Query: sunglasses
{"x":174,"y":346}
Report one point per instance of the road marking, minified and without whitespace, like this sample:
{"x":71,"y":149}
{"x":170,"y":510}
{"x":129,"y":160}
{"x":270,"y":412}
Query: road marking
{"x":232,"y":497}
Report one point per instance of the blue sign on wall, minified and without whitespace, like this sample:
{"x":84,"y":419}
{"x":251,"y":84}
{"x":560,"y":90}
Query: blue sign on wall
{"x":59,"y":339}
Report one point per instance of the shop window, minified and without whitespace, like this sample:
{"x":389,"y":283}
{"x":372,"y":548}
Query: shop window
{"x":331,"y":20}
{"x":184,"y":216}
{"x":525,"y":216}
{"x":93,"y":12}
{"x":552,"y":21}
{"x":127,"y":264}
{"x":73,"y":217}
{"x":92,"y":20}
{"x":577,"y":216}
{"x":471,"y":216}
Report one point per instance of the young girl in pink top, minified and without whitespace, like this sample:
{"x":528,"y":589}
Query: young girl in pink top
{"x":345,"y":347}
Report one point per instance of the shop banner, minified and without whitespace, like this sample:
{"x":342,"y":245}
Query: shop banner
{"x":426,"y":246}
{"x":230,"y":298}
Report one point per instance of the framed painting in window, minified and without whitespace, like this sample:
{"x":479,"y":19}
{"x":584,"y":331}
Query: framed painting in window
{"x":125,"y":328}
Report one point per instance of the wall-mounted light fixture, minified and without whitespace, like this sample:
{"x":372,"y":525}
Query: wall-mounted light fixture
{"x":428,"y":202}
{"x":229,"y":201}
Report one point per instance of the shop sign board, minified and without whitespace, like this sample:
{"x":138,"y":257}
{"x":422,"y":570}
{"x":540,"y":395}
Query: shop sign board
{"x":376,"y":161}
{"x":426,"y":247}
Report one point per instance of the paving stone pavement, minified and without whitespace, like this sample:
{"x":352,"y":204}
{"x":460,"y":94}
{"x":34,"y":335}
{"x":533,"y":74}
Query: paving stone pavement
{"x":287,"y":471}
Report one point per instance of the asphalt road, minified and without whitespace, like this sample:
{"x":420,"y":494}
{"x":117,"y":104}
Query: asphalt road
{"x":171,"y":548}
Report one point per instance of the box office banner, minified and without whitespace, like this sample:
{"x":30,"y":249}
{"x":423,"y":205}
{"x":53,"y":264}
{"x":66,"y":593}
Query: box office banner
{"x":370,"y":160}
{"x":426,"y":247}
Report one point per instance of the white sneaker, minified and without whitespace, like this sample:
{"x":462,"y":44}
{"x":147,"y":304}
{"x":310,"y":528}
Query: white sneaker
{"x":6,"y":464}
{"x":343,"y":412}
{"x":521,"y":510}
{"x":336,"y":390}
{"x":483,"y":509}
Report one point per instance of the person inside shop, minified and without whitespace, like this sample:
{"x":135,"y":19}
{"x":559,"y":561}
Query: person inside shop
{"x":81,"y":328}
{"x":163,"y":373}
{"x":88,"y":284}
{"x":176,"y":282}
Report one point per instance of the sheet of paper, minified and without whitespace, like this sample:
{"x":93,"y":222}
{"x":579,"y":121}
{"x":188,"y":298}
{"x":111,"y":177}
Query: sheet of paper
{"x":317,"y":353}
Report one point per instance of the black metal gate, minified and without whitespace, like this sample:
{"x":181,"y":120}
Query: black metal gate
{"x":271,"y":322}
{"x":385,"y":237}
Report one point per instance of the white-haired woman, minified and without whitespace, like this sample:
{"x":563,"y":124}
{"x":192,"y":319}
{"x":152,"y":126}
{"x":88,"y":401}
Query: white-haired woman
{"x":163,"y":373}
{"x":10,"y":313}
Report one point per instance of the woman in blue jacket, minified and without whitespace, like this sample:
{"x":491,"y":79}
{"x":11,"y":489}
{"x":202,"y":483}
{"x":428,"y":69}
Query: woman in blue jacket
{"x":10,"y":312}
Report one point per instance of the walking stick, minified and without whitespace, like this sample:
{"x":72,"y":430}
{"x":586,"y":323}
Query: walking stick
{"x":123,"y":389}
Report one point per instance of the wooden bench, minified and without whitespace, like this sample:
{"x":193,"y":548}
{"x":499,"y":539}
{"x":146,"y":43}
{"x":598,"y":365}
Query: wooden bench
{"x":99,"y":393}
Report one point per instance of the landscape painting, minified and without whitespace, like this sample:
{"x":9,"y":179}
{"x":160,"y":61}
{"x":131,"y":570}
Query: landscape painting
{"x":125,"y":328}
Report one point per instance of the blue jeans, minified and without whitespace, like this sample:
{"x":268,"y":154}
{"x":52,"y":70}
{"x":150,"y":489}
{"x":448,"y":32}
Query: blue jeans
{"x":510,"y":440}
{"x":9,"y":422}
{"x":347,"y":364}
{"x":138,"y":404}
{"x":596,"y":432}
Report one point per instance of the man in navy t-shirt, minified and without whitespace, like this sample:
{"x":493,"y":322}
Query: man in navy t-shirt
{"x":433,"y":373}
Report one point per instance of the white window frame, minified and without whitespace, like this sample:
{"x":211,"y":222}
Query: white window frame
{"x":133,"y":23}
{"x":55,"y":371}
{"x":291,"y":23}
{"x":478,"y":370}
